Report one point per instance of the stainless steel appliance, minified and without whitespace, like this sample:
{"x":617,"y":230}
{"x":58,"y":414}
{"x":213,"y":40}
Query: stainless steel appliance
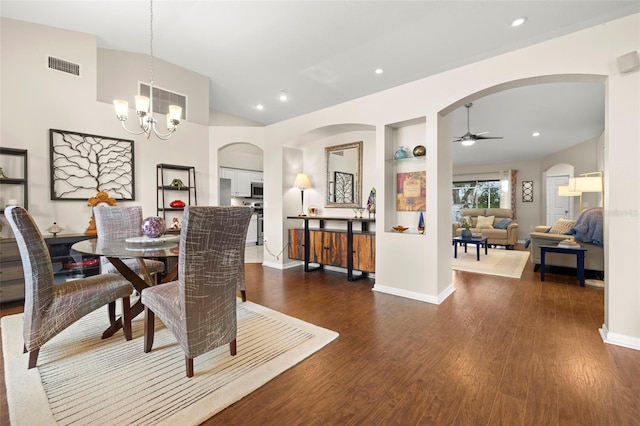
{"x":258,"y":209}
{"x":256,"y":190}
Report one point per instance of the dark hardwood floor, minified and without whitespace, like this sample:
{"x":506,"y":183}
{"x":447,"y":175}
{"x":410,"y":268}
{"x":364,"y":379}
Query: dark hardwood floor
{"x":497,"y":351}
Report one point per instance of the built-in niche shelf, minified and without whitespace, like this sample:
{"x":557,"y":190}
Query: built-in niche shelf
{"x":404,"y":179}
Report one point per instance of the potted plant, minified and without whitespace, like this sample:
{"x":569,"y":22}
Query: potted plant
{"x":466,"y":232}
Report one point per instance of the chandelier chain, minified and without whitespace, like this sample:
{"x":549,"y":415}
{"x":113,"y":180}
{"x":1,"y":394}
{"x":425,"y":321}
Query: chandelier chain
{"x":151,"y":45}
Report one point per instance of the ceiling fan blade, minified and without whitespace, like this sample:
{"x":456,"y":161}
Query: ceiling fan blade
{"x":489,"y":137}
{"x":482,"y":133}
{"x":457,"y":139}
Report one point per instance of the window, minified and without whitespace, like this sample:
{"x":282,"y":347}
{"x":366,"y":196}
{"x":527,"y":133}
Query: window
{"x":475,"y":194}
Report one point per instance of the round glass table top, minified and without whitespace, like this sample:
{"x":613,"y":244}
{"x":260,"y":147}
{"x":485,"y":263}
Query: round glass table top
{"x":98,"y":247}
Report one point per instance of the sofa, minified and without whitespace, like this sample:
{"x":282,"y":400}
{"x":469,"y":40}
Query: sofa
{"x":548,"y":235}
{"x":502,"y":229}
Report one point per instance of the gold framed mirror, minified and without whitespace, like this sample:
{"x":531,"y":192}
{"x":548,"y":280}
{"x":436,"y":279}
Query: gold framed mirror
{"x":343,"y":167}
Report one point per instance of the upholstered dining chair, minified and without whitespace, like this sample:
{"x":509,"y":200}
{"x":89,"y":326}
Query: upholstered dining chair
{"x":49,"y":308}
{"x":200,"y":307}
{"x":119,"y":223}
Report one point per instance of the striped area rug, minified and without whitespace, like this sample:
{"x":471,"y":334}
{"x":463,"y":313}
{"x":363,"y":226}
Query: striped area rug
{"x":82,"y":379}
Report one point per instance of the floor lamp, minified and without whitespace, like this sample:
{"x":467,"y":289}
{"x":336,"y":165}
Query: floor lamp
{"x":302,"y":182}
{"x":565,"y":191}
{"x":587,"y":182}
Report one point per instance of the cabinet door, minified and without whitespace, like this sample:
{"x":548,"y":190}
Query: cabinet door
{"x":296,"y":244}
{"x":256,"y":177}
{"x":334,"y":249}
{"x":252,"y":231}
{"x":233,"y":175}
{"x":364,"y":252}
{"x":244,"y":183}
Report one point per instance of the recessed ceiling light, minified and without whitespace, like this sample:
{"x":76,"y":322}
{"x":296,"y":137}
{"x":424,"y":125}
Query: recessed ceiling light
{"x":518,"y":22}
{"x":379,"y":70}
{"x":283,"y":96}
{"x":259,"y":107}
{"x":535,"y":134}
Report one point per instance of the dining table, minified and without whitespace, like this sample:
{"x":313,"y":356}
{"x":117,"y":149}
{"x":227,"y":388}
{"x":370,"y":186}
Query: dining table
{"x":139,"y":249}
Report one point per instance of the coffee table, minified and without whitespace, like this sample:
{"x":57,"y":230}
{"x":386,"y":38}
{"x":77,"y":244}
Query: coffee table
{"x":477,"y":241}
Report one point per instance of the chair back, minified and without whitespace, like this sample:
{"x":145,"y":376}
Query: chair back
{"x":210,"y":263}
{"x":36,"y":263}
{"x":115,"y":223}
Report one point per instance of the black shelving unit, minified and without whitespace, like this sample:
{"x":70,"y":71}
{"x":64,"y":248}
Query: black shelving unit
{"x":15,"y":180}
{"x":165,"y":174}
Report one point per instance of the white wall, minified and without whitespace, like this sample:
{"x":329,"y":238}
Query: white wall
{"x":35,"y":99}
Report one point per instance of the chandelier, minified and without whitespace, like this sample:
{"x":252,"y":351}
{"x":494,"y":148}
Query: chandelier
{"x":144,"y":105}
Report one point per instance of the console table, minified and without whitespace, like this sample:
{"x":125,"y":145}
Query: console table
{"x":327,"y":246}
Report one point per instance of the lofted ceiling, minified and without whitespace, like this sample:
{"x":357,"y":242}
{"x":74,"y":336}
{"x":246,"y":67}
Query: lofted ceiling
{"x":322,"y":53}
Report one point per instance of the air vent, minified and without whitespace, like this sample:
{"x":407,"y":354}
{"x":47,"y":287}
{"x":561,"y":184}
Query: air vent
{"x":163,"y":98}
{"x":61,"y":65}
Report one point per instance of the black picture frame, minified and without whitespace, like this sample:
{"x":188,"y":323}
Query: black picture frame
{"x":527,"y":191}
{"x":83,"y":164}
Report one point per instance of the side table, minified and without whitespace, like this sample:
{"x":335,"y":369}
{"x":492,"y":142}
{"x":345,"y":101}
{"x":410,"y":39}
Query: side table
{"x":578,"y":251}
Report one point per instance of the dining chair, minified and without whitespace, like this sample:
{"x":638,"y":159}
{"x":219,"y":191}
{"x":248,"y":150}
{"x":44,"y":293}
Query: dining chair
{"x":51,"y":307}
{"x":115,"y":223}
{"x":200,"y":307}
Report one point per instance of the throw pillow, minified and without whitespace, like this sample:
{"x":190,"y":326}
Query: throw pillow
{"x":562,"y":226}
{"x":503,"y":224}
{"x":485,"y":222}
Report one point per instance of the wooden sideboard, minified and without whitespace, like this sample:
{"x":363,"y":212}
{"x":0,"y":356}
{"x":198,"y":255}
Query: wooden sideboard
{"x":350,"y":249}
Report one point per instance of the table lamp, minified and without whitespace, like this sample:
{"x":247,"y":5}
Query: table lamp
{"x":302,"y":182}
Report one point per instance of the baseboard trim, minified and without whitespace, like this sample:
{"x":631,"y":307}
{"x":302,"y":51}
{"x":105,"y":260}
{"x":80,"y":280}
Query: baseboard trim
{"x":282,"y":266}
{"x":619,"y":339}
{"x":436,"y":300}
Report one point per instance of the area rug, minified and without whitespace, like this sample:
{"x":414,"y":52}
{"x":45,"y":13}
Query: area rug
{"x":82,"y":379}
{"x":504,"y":263}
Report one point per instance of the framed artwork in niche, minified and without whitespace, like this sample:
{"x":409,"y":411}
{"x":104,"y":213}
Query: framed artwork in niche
{"x":527,"y":191}
{"x":411,"y":191}
{"x":343,"y":187}
{"x":84,"y":164}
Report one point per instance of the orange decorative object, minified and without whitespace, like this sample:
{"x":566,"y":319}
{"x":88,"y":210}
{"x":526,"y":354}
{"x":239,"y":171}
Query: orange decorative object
{"x":177,"y":204}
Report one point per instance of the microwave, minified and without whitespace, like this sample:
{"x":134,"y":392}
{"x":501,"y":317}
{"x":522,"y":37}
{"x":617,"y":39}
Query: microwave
{"x":256,"y":190}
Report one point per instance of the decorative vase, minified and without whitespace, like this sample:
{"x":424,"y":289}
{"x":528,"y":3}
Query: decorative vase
{"x":153,"y":227}
{"x":421,"y":223}
{"x":419,"y":151}
{"x":400,"y":153}
{"x":466,"y":233}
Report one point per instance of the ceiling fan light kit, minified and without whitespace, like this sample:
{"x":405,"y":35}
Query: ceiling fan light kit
{"x":469,"y":138}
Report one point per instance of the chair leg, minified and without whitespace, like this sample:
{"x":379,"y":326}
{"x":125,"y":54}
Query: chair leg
{"x":149,"y":318}
{"x":243,"y":293}
{"x":112,"y":312}
{"x":233,"y":347}
{"x":33,"y":357}
{"x":126,"y":318}
{"x":188,"y":362}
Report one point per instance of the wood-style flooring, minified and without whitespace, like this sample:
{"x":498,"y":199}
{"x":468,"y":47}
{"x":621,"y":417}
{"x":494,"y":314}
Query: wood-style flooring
{"x":497,"y":351}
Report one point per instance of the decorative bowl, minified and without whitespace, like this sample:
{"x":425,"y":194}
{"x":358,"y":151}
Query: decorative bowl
{"x":399,"y":228}
{"x":177,"y":204}
{"x":153,"y":227}
{"x":419,"y":151}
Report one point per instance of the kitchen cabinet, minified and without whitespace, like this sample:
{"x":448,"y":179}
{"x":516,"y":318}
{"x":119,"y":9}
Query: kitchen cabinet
{"x":240,"y":180}
{"x":252,"y":231}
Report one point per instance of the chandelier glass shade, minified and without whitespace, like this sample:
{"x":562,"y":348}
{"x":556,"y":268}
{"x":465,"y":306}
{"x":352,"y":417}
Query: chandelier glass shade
{"x":144,"y":105}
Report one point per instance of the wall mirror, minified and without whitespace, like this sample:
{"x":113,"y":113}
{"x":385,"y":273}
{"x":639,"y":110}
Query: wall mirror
{"x":343,"y":165}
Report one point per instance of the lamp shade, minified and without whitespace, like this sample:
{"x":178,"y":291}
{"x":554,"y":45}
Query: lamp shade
{"x":565,"y":191}
{"x":586,"y":184}
{"x":302,"y":181}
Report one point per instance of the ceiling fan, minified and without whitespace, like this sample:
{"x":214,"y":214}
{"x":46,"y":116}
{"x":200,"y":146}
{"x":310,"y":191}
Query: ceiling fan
{"x":469,"y":138}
